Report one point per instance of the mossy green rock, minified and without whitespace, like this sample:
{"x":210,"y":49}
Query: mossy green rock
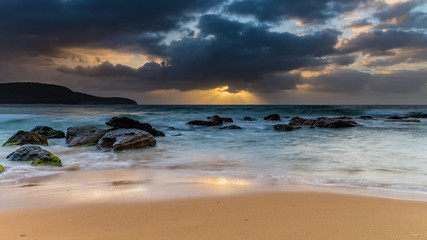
{"x":10,"y":144}
{"x":48,"y":132}
{"x":1,"y":169}
{"x":36,"y":155}
{"x":23,"y":138}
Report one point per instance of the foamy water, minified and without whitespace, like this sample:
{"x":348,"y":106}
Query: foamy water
{"x":378,"y":154}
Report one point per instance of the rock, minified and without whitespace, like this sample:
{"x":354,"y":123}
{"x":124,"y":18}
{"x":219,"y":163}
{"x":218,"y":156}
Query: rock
{"x":36,"y":155}
{"x":84,"y":136}
{"x":417,"y":116}
{"x":218,"y":118}
{"x":322,"y":122}
{"x":366,"y":117}
{"x":23,"y":138}
{"x":213,"y":121}
{"x":394,"y":117}
{"x":227,"y":119}
{"x":249,"y":119}
{"x":273,"y":117}
{"x":232,"y":127}
{"x":301,"y":122}
{"x":177,"y":135}
{"x":337,"y":124}
{"x":127,"y":123}
{"x":285,"y":127}
{"x":344,"y":118}
{"x":48,"y":132}
{"x":334,"y":123}
{"x":204,"y":123}
{"x":403,"y":120}
{"x":215,"y":118}
{"x":1,"y":169}
{"x":122,"y":139}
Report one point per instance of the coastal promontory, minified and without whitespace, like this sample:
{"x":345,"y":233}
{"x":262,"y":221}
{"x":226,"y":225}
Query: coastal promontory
{"x":39,"y":93}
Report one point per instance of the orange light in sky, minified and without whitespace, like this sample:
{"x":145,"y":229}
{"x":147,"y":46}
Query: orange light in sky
{"x":218,"y":95}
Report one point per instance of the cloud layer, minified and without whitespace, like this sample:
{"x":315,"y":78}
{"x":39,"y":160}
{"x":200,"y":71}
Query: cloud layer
{"x":350,"y":47}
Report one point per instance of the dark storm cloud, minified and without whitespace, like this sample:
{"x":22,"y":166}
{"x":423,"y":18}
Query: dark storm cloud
{"x":41,"y":27}
{"x":402,"y":15}
{"x":348,"y":81}
{"x":400,"y":82}
{"x":307,"y":11}
{"x":226,"y":53}
{"x":352,"y":82}
{"x":216,"y":52}
{"x":274,"y":83}
{"x":378,"y":42}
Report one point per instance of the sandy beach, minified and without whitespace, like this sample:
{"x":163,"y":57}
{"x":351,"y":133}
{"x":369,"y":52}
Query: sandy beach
{"x":213,"y":119}
{"x":270,"y":215}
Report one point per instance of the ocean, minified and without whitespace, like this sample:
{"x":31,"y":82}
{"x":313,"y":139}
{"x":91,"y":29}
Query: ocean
{"x":375,"y":155}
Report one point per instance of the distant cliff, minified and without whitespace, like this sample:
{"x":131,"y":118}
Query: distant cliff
{"x":39,"y":93}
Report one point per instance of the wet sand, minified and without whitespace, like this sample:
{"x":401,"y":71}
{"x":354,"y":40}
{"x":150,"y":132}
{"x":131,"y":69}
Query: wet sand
{"x":265,"y":215}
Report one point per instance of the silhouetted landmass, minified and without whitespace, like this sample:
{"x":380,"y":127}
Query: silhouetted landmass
{"x":39,"y":93}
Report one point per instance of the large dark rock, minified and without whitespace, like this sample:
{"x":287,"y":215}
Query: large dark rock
{"x":285,"y":127}
{"x":36,"y":155}
{"x":23,"y":138}
{"x":213,"y":121}
{"x":322,"y":122}
{"x":366,"y":117}
{"x":39,"y":93}
{"x":273,"y":117}
{"x":249,"y":119}
{"x":302,"y":122}
{"x":232,"y":127}
{"x":218,"y":118}
{"x":84,"y":136}
{"x":334,"y":123}
{"x":122,"y":139}
{"x":128,"y":123}
{"x":48,"y":132}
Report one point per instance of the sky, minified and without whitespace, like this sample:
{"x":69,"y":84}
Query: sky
{"x":221,"y":51}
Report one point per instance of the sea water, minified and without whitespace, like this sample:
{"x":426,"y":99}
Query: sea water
{"x":377,"y":154}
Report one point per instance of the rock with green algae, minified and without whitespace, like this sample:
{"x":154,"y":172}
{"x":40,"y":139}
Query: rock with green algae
{"x":1,"y":169}
{"x":48,"y":132}
{"x":23,"y":138}
{"x":36,"y":155}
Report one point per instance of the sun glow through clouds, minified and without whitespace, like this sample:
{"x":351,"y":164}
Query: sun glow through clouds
{"x":219,"y":95}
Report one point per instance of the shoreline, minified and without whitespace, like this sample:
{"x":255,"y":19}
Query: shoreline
{"x":169,"y":204}
{"x":266,"y":215}
{"x":136,"y":185}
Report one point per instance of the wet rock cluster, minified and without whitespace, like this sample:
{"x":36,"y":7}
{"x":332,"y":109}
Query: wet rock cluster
{"x":125,"y":134}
